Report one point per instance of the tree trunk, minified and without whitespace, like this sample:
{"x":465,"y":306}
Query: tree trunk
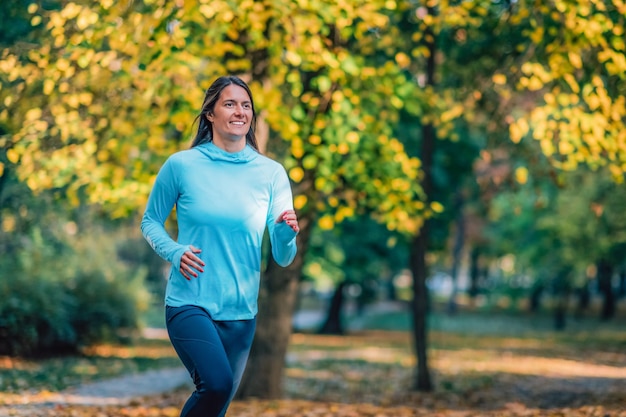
{"x":605,"y":285}
{"x":535,"y":297}
{"x":584,"y":298}
{"x":278,"y":294}
{"x":474,"y":274}
{"x":561,"y":289}
{"x":390,"y":289}
{"x":419,"y":245}
{"x":560,"y":311}
{"x":333,"y":323}
{"x":457,"y":252}
{"x":420,"y":308}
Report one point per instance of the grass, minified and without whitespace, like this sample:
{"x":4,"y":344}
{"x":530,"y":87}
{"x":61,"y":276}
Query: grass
{"x":474,"y":356}
{"x":94,"y":363}
{"x":474,"y":368}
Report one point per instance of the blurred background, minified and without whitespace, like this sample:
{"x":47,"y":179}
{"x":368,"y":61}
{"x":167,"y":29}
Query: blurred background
{"x":456,"y":165}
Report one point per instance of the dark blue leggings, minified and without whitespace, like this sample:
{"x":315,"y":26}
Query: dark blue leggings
{"x":215,"y":354}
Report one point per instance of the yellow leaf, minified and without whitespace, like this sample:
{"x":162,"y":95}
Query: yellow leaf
{"x":535,"y":83}
{"x":352,"y":137}
{"x":565,"y":148}
{"x":499,"y":79}
{"x":518,"y":130}
{"x":452,"y":113}
{"x":521,"y":175}
{"x":13,"y":156}
{"x":343,"y":212}
{"x":8,"y":223}
{"x":33,"y":114}
{"x":83,"y":21}
{"x":547,"y":146}
{"x":403,"y":59}
{"x":617,"y":173}
{"x":592,"y":101}
{"x":297,"y":151}
{"x":337,"y":96}
{"x":571,"y":81}
{"x":396,"y":102}
{"x":63,"y":64}
{"x":309,"y":162}
{"x":575,"y":59}
{"x":437,"y":207}
{"x":320,"y":183}
{"x":299,"y":201}
{"x":48,"y":86}
{"x":296,"y":174}
{"x":293,"y":58}
{"x":326,"y":222}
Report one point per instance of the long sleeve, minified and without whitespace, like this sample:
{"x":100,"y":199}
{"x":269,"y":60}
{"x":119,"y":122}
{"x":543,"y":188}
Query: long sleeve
{"x":162,"y":198}
{"x":282,"y":236}
{"x":225,"y":202}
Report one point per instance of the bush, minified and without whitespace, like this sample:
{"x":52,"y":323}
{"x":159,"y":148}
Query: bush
{"x":56,"y":296}
{"x":106,"y":305}
{"x":34,"y":316}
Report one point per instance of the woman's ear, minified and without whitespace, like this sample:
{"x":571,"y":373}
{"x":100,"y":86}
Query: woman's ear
{"x":209,"y":117}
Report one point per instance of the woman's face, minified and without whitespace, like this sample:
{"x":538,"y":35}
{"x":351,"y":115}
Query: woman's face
{"x":231,"y":118}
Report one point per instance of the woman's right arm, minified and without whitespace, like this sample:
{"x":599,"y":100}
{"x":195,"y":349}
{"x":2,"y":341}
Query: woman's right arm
{"x":160,"y":203}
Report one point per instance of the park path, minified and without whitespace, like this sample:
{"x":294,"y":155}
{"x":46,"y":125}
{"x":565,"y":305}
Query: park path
{"x":120,"y":390}
{"x":123,"y":389}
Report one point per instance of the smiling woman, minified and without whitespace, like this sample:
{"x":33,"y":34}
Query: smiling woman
{"x":226,"y":195}
{"x":231,"y":118}
{"x":228,"y":100}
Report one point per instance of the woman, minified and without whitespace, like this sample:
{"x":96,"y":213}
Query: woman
{"x":226,"y":193}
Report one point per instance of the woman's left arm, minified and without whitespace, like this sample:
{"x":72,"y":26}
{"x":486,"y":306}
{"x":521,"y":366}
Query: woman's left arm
{"x":282,"y":220}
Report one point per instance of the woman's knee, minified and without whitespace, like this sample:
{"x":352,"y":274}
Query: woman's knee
{"x":215,"y":385}
{"x":215,"y":393}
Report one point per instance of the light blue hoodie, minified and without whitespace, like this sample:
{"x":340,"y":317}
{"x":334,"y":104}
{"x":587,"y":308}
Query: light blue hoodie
{"x":224,"y":201}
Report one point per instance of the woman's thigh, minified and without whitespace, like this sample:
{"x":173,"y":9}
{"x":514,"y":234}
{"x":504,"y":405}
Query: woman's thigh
{"x":236,"y":337}
{"x":197,"y":342}
{"x":206,"y":346}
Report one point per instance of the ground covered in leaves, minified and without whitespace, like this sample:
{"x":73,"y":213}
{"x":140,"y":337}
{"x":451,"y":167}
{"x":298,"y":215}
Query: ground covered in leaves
{"x":370,"y":374}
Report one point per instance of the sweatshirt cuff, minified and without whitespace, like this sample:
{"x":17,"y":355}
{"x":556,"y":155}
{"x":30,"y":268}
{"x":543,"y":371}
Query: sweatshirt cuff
{"x":284,"y":233}
{"x":179,"y":254}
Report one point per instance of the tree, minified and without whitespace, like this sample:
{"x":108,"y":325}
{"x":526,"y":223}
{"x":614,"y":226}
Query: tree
{"x":571,"y":73}
{"x":557,"y":232}
{"x":358,"y":253}
{"x":110,"y":90}
{"x":449,"y":49}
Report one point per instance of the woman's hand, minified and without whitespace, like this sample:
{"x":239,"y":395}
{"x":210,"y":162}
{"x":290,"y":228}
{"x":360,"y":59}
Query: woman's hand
{"x":289,"y":217}
{"x":190,"y":263}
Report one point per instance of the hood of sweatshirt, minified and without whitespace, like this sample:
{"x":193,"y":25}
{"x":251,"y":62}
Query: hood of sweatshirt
{"x":216,"y":153}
